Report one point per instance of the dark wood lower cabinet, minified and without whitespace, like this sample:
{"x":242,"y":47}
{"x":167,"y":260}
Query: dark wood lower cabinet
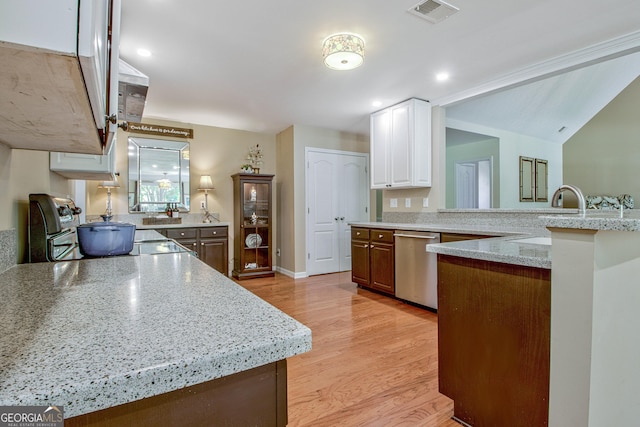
{"x":494,"y":341}
{"x":209,"y":243}
{"x":373,"y":259}
{"x":257,"y":397}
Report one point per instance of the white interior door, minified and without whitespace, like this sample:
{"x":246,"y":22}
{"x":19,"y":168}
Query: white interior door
{"x":337,"y":193}
{"x":466,"y":185}
{"x":473,"y":184}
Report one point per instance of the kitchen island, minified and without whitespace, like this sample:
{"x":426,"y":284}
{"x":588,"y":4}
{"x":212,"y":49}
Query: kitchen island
{"x":101,"y":333}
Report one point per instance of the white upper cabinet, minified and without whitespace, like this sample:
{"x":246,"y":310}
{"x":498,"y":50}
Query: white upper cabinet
{"x":401,"y":146}
{"x":56,"y":74}
{"x":94,"y":167}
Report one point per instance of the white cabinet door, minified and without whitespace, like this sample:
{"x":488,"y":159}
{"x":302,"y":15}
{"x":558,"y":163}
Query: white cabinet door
{"x":380,"y":140}
{"x":401,"y":146}
{"x":85,"y":166}
{"x":401,"y":154}
{"x":62,"y":96}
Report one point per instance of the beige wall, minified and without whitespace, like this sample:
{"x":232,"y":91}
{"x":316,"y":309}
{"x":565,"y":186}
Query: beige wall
{"x":284,"y":181}
{"x":23,"y":172}
{"x":292,"y":224}
{"x":214,"y":151}
{"x":604,"y":156}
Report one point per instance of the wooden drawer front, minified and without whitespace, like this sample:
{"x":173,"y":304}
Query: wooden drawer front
{"x":360,"y":233}
{"x":213,"y":232}
{"x":457,"y":237}
{"x":182,"y":233}
{"x":385,"y":236}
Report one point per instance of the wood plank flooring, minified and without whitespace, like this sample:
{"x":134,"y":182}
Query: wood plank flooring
{"x":374,"y":360}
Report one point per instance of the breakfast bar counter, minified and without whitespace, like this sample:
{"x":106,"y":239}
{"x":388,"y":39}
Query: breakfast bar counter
{"x":93,"y":334}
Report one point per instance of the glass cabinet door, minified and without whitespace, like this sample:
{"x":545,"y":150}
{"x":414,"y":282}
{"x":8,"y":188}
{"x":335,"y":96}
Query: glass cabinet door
{"x":253,"y":213}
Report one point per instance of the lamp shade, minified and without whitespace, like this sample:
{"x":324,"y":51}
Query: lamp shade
{"x":343,"y":51}
{"x":109,"y":184}
{"x":206,"y":183}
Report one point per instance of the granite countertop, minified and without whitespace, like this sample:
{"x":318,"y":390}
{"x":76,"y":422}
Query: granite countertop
{"x":435,"y":227}
{"x":96,"y":333}
{"x":505,"y":247}
{"x":147,"y":236}
{"x":498,"y":249}
{"x":506,"y":250}
{"x":597,"y":220}
{"x":181,"y":225}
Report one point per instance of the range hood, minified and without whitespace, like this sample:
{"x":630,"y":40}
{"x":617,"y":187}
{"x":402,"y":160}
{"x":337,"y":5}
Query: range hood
{"x":132,"y":92}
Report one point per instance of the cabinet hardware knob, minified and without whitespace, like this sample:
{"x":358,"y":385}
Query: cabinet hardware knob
{"x":357,"y":233}
{"x":182,"y":234}
{"x":366,"y":246}
{"x":214,"y":233}
{"x":379,"y":236}
{"x":194,"y":243}
{"x":113,"y":119}
{"x":371,"y":246}
{"x":202,"y":244}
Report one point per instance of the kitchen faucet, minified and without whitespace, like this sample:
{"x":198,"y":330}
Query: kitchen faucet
{"x":555,"y":200}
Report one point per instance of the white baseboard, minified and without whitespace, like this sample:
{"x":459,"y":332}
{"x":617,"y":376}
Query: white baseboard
{"x":294,"y":275}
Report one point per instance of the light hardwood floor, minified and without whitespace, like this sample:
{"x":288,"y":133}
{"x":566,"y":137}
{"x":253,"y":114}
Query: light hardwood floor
{"x":374,"y":360}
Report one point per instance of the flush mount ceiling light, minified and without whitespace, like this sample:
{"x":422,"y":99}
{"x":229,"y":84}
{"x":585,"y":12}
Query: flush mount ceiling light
{"x":343,"y":51}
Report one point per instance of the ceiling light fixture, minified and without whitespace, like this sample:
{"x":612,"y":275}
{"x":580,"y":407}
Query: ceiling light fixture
{"x":343,"y":51}
{"x":441,"y":77}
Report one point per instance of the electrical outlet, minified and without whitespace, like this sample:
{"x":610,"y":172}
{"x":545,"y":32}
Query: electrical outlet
{"x":278,"y":252}
{"x":393,"y":203}
{"x":202,"y":205}
{"x":425,"y":202}
{"x":407,"y":202}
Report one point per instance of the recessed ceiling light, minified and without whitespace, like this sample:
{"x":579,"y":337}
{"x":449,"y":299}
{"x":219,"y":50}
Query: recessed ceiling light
{"x":144,"y":52}
{"x":376,"y":103}
{"x":441,"y":77}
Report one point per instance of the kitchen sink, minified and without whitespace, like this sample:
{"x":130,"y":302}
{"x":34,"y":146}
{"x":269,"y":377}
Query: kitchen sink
{"x":539,"y":240}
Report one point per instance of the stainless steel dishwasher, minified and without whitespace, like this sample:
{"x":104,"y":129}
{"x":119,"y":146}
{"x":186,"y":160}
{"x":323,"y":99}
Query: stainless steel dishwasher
{"x":416,"y":269}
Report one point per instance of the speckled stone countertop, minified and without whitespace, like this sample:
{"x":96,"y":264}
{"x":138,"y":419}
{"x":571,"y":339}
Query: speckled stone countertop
{"x":182,"y":225}
{"x":96,"y":333}
{"x":147,"y":236}
{"x":498,"y":249}
{"x":435,"y":227}
{"x":506,"y":250}
{"x":597,"y":220}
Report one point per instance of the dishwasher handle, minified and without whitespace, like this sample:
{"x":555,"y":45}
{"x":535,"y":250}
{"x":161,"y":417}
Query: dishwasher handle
{"x":414,"y":236}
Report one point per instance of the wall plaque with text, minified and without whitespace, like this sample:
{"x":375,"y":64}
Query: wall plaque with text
{"x":158,"y":130}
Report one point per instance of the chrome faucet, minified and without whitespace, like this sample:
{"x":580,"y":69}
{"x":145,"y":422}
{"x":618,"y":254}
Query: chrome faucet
{"x":555,"y":200}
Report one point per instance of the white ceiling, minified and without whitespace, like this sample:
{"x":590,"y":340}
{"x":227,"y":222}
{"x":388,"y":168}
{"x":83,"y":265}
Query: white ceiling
{"x":554,"y":108}
{"x":257,"y":65}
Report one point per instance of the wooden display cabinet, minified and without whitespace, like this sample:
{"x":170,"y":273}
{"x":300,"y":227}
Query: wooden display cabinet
{"x":252,"y":207}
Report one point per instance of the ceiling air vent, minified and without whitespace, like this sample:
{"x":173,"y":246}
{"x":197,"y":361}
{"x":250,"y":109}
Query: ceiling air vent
{"x":433,"y":10}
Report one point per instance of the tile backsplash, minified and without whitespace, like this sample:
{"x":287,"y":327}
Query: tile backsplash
{"x":8,"y":249}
